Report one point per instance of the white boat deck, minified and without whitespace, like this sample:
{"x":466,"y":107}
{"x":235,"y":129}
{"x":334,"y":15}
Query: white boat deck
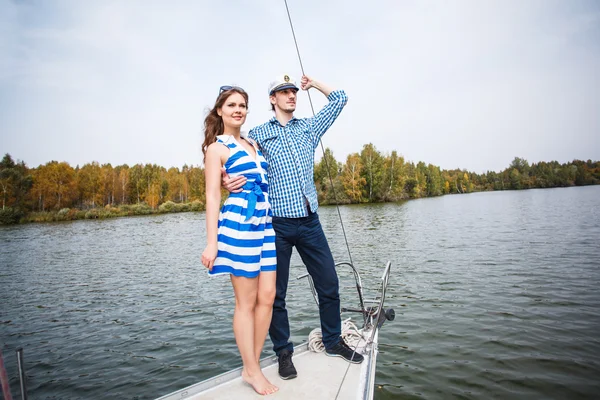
{"x":319,"y":378}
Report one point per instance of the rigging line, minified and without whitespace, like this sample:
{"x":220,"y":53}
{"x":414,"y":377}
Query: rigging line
{"x":337,"y":204}
{"x":347,"y":369}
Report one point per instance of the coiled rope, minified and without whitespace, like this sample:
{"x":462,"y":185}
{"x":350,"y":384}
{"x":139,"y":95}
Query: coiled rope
{"x":350,"y":334}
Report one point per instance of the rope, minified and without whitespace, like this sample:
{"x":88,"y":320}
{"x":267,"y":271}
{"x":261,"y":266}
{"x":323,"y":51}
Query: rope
{"x":350,"y":334}
{"x":337,"y":204}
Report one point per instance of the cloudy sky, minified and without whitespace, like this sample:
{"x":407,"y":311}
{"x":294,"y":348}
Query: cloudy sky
{"x":460,"y":84}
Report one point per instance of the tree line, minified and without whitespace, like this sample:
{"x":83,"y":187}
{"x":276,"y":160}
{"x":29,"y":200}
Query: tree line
{"x":370,"y":176}
{"x":58,"y":191}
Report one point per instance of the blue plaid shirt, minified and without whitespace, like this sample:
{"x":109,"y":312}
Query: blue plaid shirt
{"x":290,"y":152}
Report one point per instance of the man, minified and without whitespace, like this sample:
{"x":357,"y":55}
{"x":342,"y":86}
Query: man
{"x":289,"y":145}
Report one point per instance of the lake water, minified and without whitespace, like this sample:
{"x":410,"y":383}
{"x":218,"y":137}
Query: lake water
{"x":497,"y":295}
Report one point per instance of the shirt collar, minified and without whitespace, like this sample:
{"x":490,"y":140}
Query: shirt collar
{"x":276,"y":121}
{"x":225,"y":138}
{"x":230,"y":138}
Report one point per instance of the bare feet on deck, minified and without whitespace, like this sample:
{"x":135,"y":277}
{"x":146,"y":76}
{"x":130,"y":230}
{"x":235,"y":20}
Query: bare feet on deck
{"x":259,"y":382}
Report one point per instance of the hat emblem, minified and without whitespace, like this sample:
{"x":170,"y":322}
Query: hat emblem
{"x":286,"y":78}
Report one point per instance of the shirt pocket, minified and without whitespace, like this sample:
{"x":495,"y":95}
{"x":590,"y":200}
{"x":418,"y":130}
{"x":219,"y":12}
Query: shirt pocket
{"x":271,"y":145}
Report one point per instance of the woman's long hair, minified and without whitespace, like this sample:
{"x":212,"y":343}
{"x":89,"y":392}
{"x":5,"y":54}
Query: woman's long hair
{"x":213,"y":123}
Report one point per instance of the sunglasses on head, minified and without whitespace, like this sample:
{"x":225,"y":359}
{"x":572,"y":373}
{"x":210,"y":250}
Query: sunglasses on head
{"x":229,"y":87}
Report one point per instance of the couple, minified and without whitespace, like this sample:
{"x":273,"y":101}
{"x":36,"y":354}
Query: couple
{"x":265,"y":215}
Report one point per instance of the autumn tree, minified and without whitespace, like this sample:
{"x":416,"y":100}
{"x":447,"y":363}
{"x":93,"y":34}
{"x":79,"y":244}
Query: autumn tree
{"x":175,"y":179}
{"x":365,"y":177}
{"x":196,"y":183}
{"x":121,"y":174}
{"x":392,"y":187}
{"x":54,"y":185}
{"x":110,"y":184}
{"x":352,"y":179}
{"x":328,"y":167}
{"x":91,"y":185}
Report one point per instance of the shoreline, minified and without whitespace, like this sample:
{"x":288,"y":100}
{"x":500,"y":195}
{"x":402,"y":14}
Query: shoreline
{"x":10,"y":216}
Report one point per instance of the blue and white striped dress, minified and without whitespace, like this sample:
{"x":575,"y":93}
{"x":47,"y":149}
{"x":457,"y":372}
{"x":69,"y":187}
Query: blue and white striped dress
{"x":246,"y":239}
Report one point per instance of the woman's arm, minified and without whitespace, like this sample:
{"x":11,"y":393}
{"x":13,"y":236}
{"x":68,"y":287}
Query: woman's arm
{"x":212,"y":170}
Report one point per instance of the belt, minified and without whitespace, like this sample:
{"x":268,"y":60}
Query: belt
{"x":256,"y":190}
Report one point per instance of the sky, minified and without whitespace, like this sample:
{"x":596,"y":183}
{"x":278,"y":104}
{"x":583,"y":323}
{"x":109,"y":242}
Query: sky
{"x":464,"y":84}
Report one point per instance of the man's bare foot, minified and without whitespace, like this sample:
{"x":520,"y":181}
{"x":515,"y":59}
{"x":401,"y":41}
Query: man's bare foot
{"x":259,"y":382}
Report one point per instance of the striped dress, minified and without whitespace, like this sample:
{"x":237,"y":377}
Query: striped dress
{"x":246,"y":239}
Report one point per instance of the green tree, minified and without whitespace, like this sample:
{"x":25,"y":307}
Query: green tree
{"x":434,"y":181}
{"x":515,"y":179}
{"x":110,"y":183}
{"x":15,"y":182}
{"x":421,"y":172}
{"x":8,"y":178}
{"x":136,"y":184}
{"x":328,"y":167}
{"x":394,"y":178}
{"x":523,"y":169}
{"x":372,"y":171}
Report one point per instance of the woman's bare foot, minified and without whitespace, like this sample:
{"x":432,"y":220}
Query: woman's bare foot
{"x":259,"y":382}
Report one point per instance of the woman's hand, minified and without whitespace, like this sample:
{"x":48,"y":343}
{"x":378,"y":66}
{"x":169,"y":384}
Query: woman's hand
{"x":209,"y":255}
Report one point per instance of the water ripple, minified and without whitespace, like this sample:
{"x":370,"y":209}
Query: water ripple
{"x":496,"y":296}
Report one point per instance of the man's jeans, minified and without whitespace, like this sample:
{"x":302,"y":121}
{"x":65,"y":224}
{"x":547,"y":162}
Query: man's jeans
{"x":307,"y":235}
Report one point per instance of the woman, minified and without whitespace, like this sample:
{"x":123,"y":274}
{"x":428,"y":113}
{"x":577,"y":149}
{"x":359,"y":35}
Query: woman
{"x":241,"y":240}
